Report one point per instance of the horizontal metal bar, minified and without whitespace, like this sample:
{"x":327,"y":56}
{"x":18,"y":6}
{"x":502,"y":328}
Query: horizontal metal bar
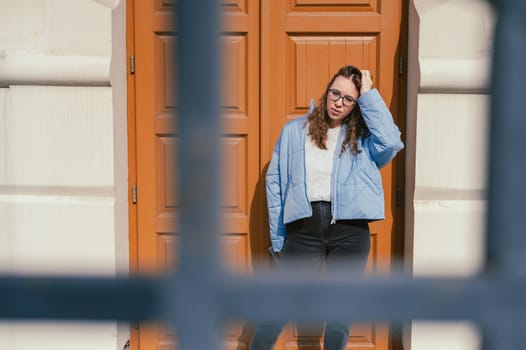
{"x":276,"y":297}
{"x":393,"y":298}
{"x":79,"y":298}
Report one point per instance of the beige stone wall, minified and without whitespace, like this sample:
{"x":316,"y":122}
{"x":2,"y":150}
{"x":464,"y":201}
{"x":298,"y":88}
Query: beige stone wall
{"x":450,"y":52}
{"x":63,"y":165}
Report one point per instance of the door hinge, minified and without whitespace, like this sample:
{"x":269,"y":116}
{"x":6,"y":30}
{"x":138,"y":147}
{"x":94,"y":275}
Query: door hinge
{"x":132,"y":64}
{"x":134,"y":194}
{"x":401,"y":65}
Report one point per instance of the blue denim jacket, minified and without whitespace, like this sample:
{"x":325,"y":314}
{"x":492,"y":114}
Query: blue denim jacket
{"x":356,"y":183}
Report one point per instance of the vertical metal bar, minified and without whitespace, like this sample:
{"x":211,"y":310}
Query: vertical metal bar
{"x":199,"y":132}
{"x":504,"y":333}
{"x":506,"y":240}
{"x":507,"y":173}
{"x":194,"y":284}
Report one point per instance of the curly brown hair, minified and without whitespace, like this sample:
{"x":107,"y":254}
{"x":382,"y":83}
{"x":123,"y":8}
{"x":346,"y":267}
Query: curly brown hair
{"x":318,"y":120}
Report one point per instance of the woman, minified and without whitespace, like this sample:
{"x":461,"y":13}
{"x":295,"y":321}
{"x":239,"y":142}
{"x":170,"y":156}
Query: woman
{"x":324,"y":184}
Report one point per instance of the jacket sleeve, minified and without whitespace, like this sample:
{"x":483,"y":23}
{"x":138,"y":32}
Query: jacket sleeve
{"x":275,"y":198}
{"x":384,"y":140}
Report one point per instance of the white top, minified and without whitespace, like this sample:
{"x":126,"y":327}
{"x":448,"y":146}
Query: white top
{"x":318,"y":165}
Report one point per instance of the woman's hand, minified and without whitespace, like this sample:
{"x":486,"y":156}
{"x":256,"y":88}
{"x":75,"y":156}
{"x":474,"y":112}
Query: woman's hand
{"x":367,"y":82}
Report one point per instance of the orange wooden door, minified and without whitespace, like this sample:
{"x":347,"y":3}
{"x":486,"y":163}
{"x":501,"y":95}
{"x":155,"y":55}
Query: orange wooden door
{"x":156,"y":141}
{"x":277,"y":55}
{"x":303,"y":43}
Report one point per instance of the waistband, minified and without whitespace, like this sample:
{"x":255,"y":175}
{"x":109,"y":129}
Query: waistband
{"x":320,"y":203}
{"x":352,"y":222}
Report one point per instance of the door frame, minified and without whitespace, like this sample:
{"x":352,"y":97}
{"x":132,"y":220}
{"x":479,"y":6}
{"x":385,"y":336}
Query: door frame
{"x":400,"y":93}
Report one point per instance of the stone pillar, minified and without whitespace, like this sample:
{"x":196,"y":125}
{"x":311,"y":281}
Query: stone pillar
{"x":449,"y":65}
{"x":63,"y":165}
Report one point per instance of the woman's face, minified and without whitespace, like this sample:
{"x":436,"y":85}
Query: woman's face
{"x":341,"y":99}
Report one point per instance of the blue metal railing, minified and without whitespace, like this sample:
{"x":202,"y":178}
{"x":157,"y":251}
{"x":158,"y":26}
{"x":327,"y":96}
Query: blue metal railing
{"x":200,"y":297}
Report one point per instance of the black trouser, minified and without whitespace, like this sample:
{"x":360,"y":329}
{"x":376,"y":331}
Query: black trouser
{"x":320,"y":244}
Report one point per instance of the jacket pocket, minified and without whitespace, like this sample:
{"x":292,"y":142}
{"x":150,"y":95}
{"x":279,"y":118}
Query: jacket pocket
{"x":371,"y":180}
{"x":294,"y":205}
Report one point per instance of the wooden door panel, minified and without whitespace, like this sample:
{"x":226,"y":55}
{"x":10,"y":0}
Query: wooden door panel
{"x":166,"y":196}
{"x":306,"y":54}
{"x":234,"y":73}
{"x":234,"y":248}
{"x":361,"y":337}
{"x":165,"y":105}
{"x":234,"y":199}
{"x":240,"y":140}
{"x":371,"y":4}
{"x":157,"y":143}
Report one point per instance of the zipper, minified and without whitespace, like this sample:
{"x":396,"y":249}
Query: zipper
{"x":335,"y":164}
{"x":305,"y":171}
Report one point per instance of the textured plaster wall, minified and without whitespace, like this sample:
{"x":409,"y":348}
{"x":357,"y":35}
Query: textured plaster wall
{"x":450,"y":52}
{"x":62,"y":155}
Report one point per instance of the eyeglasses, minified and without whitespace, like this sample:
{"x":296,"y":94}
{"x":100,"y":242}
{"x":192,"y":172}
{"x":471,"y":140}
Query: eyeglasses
{"x":335,"y":95}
